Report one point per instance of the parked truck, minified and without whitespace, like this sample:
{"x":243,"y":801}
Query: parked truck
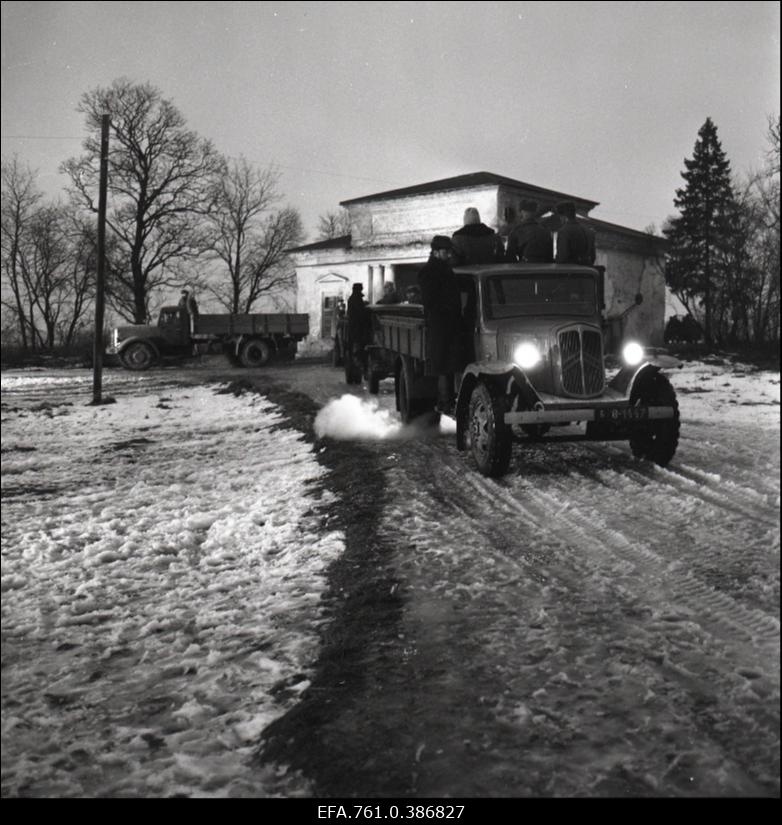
{"x":252,"y":339}
{"x":533,"y":365}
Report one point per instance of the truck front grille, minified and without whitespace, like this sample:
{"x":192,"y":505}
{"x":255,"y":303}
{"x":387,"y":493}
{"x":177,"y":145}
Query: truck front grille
{"x":581,"y":351}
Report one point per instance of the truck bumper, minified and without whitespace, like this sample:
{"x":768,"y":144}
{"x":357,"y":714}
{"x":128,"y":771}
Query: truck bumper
{"x":609,"y":414}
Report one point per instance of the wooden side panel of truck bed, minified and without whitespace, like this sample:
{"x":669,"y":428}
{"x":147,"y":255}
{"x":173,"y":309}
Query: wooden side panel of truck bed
{"x":261,"y":324}
{"x":401,"y":332}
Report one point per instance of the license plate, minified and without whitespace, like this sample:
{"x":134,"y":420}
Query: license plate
{"x":621,"y":413}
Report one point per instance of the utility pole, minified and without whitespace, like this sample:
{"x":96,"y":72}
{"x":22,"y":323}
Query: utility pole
{"x":100,"y":288}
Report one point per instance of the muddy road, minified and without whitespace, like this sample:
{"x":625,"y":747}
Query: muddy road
{"x":586,"y":626}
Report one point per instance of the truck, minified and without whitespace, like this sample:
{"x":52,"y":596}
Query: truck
{"x":533,"y":366}
{"x":251,"y":339}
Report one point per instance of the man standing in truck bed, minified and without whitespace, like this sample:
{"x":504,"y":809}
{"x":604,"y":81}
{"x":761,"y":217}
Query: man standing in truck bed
{"x":476,"y":243}
{"x":575,"y":242}
{"x":443,"y":313}
{"x":529,"y":241}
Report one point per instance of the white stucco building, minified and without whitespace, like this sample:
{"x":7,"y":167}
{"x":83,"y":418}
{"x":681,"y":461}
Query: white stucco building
{"x":390,"y":234}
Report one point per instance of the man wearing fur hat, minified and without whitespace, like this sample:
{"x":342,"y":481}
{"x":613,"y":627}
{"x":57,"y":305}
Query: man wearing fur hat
{"x":529,"y":241}
{"x":476,"y":243}
{"x":443,"y":313}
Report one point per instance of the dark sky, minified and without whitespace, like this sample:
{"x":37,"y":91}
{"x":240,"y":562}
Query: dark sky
{"x":601,"y":100}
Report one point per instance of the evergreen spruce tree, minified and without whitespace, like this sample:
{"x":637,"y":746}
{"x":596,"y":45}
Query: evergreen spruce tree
{"x":701,"y":235}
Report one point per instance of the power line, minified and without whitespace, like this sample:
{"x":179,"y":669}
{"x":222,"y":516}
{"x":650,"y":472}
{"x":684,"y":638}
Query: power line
{"x":42,"y":137}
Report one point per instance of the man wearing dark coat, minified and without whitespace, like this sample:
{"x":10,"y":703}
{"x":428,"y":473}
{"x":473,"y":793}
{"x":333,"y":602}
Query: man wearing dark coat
{"x":529,"y":241}
{"x":358,"y":322}
{"x":443,"y":313}
{"x":476,"y":243}
{"x":575,"y":242}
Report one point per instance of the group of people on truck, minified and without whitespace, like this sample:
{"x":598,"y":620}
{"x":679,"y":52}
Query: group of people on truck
{"x":474,"y":243}
{"x":528,"y":242}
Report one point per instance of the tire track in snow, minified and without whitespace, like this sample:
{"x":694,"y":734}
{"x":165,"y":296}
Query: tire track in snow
{"x":728,"y":552}
{"x":581,"y":528}
{"x":711,"y":488}
{"x":715,"y":611}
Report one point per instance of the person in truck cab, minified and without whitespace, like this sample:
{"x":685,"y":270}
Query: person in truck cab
{"x":443,"y":313}
{"x":575,"y":242}
{"x":529,"y":241}
{"x":476,"y":243}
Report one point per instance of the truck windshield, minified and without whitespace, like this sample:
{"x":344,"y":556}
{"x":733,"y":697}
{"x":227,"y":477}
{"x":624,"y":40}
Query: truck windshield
{"x":516,"y":295}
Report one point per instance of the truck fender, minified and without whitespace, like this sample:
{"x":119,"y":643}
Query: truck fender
{"x":148,"y":341}
{"x":507,"y":379}
{"x":627,"y":377}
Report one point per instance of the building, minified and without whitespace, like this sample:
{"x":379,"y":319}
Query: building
{"x":389,"y":241}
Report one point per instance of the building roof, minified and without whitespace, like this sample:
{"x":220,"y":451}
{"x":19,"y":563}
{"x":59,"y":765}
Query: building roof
{"x":342,"y":242}
{"x":553,"y":222}
{"x":467,"y":181}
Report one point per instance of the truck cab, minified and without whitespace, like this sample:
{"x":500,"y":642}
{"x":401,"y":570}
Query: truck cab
{"x":138,"y":346}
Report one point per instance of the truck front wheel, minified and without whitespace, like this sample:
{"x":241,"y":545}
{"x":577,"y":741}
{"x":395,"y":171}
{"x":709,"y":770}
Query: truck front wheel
{"x":491,"y":443}
{"x":255,"y":353}
{"x":137,"y":356}
{"x":656,"y":441}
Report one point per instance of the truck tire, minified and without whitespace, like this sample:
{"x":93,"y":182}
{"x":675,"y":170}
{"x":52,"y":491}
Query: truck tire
{"x":658,"y":440}
{"x":491,"y":440}
{"x":255,"y":353}
{"x":137,"y":356}
{"x":411,"y":408}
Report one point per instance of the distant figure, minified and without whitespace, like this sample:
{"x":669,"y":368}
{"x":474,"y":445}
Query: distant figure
{"x":358,"y":323}
{"x":183,"y":299}
{"x":413,"y":294}
{"x":188,"y":308}
{"x":575,"y":242}
{"x":192,"y":305}
{"x":476,"y":243}
{"x":390,"y":295}
{"x":443,"y":312}
{"x":529,"y":241}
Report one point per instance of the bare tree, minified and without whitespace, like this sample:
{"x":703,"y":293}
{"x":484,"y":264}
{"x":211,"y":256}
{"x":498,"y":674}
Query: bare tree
{"x":250,"y":237}
{"x":334,"y":225}
{"x":159,"y":181}
{"x":47,"y":276}
{"x":20,"y":199}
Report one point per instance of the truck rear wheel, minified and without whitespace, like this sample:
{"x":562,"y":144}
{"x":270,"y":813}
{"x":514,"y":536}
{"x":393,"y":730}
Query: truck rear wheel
{"x":410,"y":407}
{"x":491,"y":443}
{"x":657,"y":441}
{"x":255,"y":353}
{"x":137,"y":356}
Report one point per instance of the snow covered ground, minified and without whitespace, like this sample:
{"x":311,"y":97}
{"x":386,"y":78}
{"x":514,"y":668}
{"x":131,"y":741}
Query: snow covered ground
{"x":166,"y":549}
{"x":164,"y":557}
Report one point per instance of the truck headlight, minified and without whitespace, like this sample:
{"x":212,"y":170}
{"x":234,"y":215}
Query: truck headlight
{"x":632,"y":353}
{"x":527,"y":355}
